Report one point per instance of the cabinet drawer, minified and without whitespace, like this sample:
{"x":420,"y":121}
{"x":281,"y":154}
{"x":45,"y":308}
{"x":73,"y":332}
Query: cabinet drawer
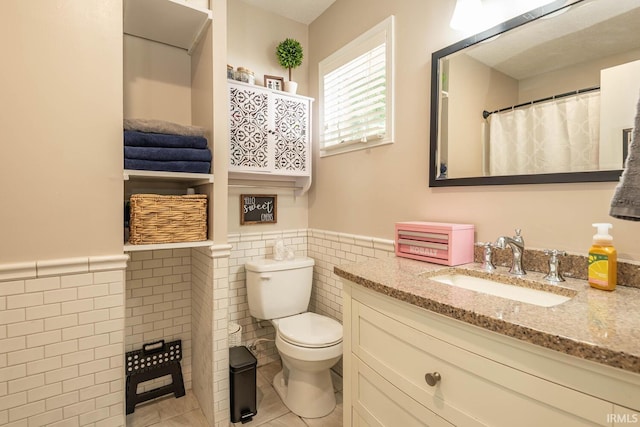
{"x":473,"y":390}
{"x":376,"y":402}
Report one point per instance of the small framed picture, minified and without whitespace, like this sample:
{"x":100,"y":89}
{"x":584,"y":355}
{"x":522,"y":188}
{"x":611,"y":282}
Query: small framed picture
{"x":258,"y":209}
{"x":274,"y":82}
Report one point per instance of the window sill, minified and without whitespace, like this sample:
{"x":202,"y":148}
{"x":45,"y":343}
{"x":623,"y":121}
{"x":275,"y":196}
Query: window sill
{"x":347,"y":147}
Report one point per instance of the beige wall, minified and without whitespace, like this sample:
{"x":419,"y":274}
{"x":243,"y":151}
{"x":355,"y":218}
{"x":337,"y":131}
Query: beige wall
{"x":252,"y":37}
{"x":157,"y":81}
{"x":61,"y":129}
{"x":254,"y":34}
{"x":292,"y":210}
{"x":365,"y":192}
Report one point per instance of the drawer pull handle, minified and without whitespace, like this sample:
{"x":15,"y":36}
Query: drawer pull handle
{"x":432,"y":379}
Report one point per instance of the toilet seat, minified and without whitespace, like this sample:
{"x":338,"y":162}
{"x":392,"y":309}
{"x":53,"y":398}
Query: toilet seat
{"x":310,"y":330}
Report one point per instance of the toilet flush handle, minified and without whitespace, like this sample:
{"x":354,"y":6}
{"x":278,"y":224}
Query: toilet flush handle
{"x":265,"y":276}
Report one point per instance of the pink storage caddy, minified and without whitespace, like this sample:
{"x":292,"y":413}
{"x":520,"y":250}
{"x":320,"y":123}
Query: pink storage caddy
{"x":436,"y":242}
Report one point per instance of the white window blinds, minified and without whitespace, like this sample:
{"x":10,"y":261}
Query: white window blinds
{"x":356,"y":86}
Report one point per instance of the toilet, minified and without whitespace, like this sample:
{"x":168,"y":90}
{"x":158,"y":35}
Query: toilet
{"x":309,"y":344}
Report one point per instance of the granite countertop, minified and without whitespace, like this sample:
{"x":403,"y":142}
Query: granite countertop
{"x":595,"y":325}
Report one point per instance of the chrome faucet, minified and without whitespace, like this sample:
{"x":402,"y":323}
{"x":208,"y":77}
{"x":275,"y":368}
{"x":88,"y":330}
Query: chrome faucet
{"x":516,"y":243}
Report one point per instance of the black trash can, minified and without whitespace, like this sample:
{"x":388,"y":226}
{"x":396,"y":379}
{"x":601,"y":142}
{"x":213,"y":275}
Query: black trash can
{"x":242,"y":384}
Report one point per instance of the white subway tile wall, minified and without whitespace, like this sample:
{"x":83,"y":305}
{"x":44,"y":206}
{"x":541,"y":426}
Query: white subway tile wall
{"x":158,"y":305}
{"x":61,"y":346}
{"x":202,"y":318}
{"x":210,"y":271}
{"x":330,"y":249}
{"x":63,"y":337}
{"x":221,"y":398}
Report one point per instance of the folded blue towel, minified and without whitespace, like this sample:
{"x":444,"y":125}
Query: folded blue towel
{"x":143,"y":139}
{"x":178,"y":166}
{"x":168,"y":154}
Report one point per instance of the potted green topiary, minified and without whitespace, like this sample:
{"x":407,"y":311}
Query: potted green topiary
{"x":289,"y":53}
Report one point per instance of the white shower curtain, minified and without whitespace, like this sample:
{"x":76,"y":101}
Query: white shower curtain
{"x":554,"y":136}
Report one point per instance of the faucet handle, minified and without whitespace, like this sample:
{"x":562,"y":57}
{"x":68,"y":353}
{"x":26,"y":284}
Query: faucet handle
{"x":518,"y":236}
{"x":554,"y":274}
{"x":484,"y":244}
{"x":487,"y":263}
{"x":554,"y":253}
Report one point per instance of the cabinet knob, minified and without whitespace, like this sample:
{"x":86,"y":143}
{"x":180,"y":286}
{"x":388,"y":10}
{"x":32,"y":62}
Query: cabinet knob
{"x":432,"y":378}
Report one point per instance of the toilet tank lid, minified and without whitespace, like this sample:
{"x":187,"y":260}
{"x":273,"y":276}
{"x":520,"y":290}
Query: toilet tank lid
{"x":263,"y":265}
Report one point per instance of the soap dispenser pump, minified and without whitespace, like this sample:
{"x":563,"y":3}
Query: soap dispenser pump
{"x":603,"y":259}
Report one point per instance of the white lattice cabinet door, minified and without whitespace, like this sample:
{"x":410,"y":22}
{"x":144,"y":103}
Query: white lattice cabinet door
{"x":291,"y":135}
{"x":249,"y":128}
{"x":269,"y":134}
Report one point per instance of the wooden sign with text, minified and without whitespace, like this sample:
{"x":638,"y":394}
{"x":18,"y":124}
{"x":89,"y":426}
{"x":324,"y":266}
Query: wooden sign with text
{"x":258,"y":209}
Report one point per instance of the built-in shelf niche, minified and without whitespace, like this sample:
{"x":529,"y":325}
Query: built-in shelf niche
{"x":140,"y":178}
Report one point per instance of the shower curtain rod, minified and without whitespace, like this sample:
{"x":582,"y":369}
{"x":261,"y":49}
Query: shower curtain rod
{"x":486,"y":113}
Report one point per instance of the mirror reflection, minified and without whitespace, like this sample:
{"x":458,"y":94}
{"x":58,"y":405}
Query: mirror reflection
{"x":552,"y":100}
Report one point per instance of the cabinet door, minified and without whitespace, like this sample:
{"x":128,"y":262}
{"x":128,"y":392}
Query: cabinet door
{"x":249,"y":130}
{"x":291,"y":134}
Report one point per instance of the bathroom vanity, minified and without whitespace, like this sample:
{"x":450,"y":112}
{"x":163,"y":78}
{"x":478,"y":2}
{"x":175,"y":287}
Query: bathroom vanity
{"x":418,"y":352}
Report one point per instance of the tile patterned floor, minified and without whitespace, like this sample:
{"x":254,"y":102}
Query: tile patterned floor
{"x":185,"y":412}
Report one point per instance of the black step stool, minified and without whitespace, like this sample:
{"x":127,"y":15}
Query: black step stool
{"x":154,"y":360}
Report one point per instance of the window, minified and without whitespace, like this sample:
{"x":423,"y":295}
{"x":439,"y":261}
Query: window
{"x":356,"y":93}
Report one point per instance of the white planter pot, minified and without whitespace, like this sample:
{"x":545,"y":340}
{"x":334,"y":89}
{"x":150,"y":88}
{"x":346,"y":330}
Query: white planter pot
{"x":291,"y":87}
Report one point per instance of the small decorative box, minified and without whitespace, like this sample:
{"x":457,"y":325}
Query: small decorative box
{"x":436,"y":242}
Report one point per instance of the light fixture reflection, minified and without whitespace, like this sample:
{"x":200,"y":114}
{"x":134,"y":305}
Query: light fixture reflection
{"x":477,"y":15}
{"x":466,"y":14}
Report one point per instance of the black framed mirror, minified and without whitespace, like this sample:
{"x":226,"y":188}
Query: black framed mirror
{"x":545,"y":97}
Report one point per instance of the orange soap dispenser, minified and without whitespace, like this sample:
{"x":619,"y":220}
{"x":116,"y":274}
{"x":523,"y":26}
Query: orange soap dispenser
{"x":603,"y":259}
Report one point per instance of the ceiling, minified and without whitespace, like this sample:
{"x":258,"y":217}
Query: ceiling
{"x":304,"y":11}
{"x":589,"y":30}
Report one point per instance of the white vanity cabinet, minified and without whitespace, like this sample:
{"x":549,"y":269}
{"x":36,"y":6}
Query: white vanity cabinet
{"x":406,"y":366}
{"x":269,"y":134}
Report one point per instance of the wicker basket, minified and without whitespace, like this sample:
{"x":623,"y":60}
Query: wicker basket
{"x":167,"y":219}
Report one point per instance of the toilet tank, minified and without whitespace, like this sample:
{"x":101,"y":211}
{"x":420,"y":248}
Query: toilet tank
{"x":278,"y":289}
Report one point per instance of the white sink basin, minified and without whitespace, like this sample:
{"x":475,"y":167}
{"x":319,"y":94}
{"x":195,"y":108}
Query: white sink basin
{"x":502,"y":290}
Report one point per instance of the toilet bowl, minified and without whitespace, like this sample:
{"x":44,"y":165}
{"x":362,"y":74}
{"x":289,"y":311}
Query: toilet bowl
{"x":308,"y":343}
{"x":304,"y":384}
